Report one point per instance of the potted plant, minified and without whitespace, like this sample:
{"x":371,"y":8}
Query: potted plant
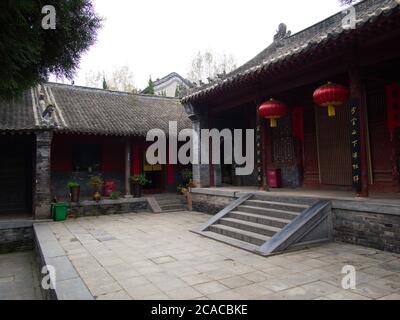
{"x":74,"y":190}
{"x":137,"y":183}
{"x":96,"y":182}
{"x":187,"y":176}
{"x":115,"y":195}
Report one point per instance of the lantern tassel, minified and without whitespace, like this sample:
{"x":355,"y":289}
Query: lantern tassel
{"x":331,"y":110}
{"x":273,"y":123}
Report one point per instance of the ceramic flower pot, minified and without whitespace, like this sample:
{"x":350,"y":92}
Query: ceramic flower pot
{"x":97,"y":196}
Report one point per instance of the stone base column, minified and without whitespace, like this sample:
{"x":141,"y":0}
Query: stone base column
{"x":127,"y":156}
{"x":42,"y":193}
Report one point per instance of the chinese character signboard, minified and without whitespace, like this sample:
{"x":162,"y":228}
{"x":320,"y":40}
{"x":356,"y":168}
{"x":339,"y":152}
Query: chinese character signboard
{"x":355,"y":144}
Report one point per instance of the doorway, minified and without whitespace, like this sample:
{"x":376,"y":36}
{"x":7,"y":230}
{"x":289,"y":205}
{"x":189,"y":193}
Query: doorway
{"x":15,"y":175}
{"x":334,"y":147}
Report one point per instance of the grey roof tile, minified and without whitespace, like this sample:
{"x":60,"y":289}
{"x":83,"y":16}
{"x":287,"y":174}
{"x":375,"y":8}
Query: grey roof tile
{"x":95,"y":111}
{"x":366,"y":12}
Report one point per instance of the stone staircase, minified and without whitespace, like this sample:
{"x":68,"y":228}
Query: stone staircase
{"x":255,"y":221}
{"x":170,"y":202}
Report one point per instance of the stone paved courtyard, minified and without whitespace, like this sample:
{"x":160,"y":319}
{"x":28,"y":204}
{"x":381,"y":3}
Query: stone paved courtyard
{"x":155,"y":256}
{"x":18,"y":277}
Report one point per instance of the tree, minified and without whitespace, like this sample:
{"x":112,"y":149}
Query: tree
{"x":206,"y":65}
{"x":29,"y":52}
{"x":105,"y":85}
{"x":178,"y":91}
{"x":119,"y":79}
{"x":150,"y":87}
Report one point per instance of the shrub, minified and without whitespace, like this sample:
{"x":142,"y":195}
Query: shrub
{"x":72,"y":184}
{"x":187,"y":175}
{"x":140,"y":179}
{"x":115,"y":195}
{"x":96,"y":182}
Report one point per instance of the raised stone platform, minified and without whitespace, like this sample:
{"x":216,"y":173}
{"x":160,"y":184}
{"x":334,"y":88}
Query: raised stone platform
{"x":372,"y":222}
{"x":108,"y":206}
{"x":68,"y":284}
{"x":16,"y":235}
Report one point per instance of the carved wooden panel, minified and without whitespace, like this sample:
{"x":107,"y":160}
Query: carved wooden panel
{"x":282,"y":142}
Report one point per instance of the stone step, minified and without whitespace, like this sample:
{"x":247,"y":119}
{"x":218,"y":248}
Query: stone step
{"x":277,"y":205}
{"x":174,"y":206}
{"x":231,"y":241}
{"x":175,"y":210}
{"x":169,"y":196}
{"x":170,"y":201}
{"x":284,"y":199}
{"x":261,"y":219}
{"x":281,"y":214}
{"x":250,"y":226}
{"x":242,"y":235}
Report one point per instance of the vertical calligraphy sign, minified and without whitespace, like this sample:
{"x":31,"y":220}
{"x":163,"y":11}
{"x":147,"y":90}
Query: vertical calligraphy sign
{"x":355,"y":144}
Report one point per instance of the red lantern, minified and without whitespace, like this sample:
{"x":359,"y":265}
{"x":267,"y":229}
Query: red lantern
{"x":331,"y":95}
{"x":272,"y":110}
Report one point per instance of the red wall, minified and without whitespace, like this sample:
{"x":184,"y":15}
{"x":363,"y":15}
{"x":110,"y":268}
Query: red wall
{"x":112,"y":152}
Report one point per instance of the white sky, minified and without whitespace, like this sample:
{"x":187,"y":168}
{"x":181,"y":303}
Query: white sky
{"x":160,"y":36}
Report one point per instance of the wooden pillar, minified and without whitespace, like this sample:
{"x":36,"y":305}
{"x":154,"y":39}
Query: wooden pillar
{"x":127,"y":167}
{"x":135,"y":158}
{"x":264,"y":149}
{"x":357,"y":91}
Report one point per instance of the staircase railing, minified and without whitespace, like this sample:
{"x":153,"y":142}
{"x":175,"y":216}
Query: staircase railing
{"x":312,"y":226}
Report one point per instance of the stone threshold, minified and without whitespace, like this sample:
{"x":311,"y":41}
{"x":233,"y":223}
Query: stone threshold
{"x":68,"y":284}
{"x":354,"y":204}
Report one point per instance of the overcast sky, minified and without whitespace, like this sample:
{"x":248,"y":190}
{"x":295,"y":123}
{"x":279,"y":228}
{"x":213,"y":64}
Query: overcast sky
{"x":158,"y":37}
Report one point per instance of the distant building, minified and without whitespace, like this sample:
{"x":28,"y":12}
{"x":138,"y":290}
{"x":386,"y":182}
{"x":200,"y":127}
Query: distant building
{"x":170,"y":86}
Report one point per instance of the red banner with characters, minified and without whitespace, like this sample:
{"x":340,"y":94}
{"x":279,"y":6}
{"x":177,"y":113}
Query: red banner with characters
{"x":297,"y":125}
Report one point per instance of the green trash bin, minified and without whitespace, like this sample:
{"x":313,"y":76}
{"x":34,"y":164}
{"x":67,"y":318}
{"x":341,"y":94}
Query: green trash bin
{"x":59,"y":211}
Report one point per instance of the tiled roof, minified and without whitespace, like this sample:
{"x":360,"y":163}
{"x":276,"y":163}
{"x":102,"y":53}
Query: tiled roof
{"x":317,"y":35}
{"x":18,"y":113}
{"x":93,"y":111}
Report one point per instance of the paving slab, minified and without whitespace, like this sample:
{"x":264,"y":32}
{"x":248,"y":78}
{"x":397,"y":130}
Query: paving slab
{"x":147,"y":256}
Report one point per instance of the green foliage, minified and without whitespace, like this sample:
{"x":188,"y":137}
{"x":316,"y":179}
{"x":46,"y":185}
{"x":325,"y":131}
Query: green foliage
{"x":29,"y":53}
{"x":150,"y":87}
{"x":179,"y":188}
{"x":72,"y":184}
{"x":96,"y":182}
{"x":115,"y":195}
{"x":177,"y":91}
{"x":105,"y":85}
{"x":140,"y":179}
{"x":187,"y":175}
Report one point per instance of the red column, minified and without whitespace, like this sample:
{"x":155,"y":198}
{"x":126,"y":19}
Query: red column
{"x":136,"y":158}
{"x":264,"y":154}
{"x":170,"y":174}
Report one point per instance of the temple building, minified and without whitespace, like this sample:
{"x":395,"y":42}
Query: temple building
{"x":56,"y":133}
{"x":324,"y":103}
